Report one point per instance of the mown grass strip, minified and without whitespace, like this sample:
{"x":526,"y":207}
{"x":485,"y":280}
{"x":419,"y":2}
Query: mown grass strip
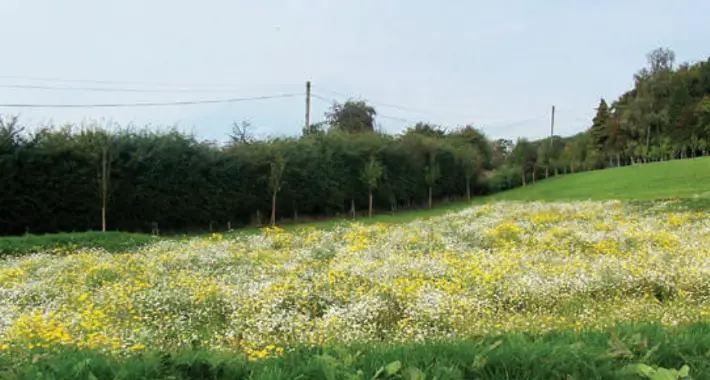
{"x":68,"y":242}
{"x":626,"y":352}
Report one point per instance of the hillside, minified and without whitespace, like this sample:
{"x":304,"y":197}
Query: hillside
{"x":677,"y":179}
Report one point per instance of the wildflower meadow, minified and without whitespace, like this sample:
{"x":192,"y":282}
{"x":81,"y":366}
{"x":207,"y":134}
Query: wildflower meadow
{"x":499,"y":268}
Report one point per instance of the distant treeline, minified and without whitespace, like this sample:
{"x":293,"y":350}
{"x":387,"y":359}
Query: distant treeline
{"x":61,"y":179}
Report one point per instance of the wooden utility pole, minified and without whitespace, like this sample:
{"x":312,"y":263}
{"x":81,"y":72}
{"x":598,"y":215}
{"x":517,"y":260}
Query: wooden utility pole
{"x":552,"y":125}
{"x":549,"y":152}
{"x":308,"y":106}
{"x":104,"y":187}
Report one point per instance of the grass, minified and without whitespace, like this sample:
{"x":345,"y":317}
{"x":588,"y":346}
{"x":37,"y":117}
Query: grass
{"x":617,"y":354}
{"x":677,"y":179}
{"x":65,"y":242}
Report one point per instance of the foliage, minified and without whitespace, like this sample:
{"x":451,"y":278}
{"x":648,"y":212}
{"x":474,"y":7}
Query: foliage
{"x":372,"y":173}
{"x":184,"y":185}
{"x":561,"y":354}
{"x":352,"y":116}
{"x":181,"y":184}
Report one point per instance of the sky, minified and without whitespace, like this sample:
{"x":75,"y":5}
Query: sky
{"x":497,"y":65}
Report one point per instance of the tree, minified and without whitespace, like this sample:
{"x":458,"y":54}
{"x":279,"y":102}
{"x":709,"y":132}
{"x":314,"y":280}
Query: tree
{"x":426,"y":129}
{"x":660,"y":59}
{"x":432,"y":172}
{"x":615,"y":138}
{"x":352,"y":116}
{"x":470,"y":160}
{"x":314,"y":129}
{"x":598,"y":130}
{"x":241,"y":133}
{"x":277,"y":168}
{"x":371,"y":174}
{"x":524,"y":156}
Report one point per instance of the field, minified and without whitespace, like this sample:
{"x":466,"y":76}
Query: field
{"x":502,"y":268}
{"x":520,"y":290}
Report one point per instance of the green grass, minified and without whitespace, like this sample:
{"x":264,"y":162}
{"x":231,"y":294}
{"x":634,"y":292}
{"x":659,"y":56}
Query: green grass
{"x":677,"y":179}
{"x":557,"y":355}
{"x":111,"y":241}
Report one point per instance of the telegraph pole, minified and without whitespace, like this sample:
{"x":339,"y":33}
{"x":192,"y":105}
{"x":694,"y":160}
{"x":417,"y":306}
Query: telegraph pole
{"x":549,"y":153}
{"x":308,"y":107}
{"x":552,"y":125}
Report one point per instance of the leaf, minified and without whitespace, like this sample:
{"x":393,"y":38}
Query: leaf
{"x":92,"y":376}
{"x":640,"y":343}
{"x":378,"y":373}
{"x":639,"y":369}
{"x":494,"y":345}
{"x":684,"y":371}
{"x":479,"y":361}
{"x":413,"y":373}
{"x":618,"y":348}
{"x":650,"y":352}
{"x":392,"y":368}
{"x":665,"y":374}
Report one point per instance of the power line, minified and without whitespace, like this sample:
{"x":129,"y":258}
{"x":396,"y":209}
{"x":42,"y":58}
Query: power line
{"x":403,"y":120}
{"x":516,"y":123}
{"x":520,"y":122}
{"x":374,"y":102}
{"x":150,"y":104}
{"x":109,"y":82}
{"x":108,"y":89}
{"x":483,"y":126}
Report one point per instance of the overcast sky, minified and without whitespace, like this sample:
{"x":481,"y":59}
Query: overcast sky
{"x":499,"y":65}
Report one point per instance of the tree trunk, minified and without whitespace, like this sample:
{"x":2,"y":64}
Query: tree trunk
{"x":618,"y":159}
{"x":557,"y":170}
{"x":104,"y":188}
{"x":273,"y":209}
{"x":103,"y":217}
{"x":571,"y":166}
{"x":369,"y":212}
{"x":468,"y":189}
{"x":523,"y":176}
{"x":564,"y":170}
{"x":430,"y":196}
{"x":295,"y":212}
{"x":533,"y":178}
{"x":547,"y":171}
{"x":352,"y":207}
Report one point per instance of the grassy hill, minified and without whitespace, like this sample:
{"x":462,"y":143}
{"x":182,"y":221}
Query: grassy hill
{"x":678,"y":179}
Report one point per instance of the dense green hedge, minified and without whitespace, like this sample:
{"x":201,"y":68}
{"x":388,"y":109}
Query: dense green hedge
{"x":52,"y":180}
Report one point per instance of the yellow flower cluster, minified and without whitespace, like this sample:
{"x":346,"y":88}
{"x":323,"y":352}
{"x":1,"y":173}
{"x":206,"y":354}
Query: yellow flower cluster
{"x":495,"y":268}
